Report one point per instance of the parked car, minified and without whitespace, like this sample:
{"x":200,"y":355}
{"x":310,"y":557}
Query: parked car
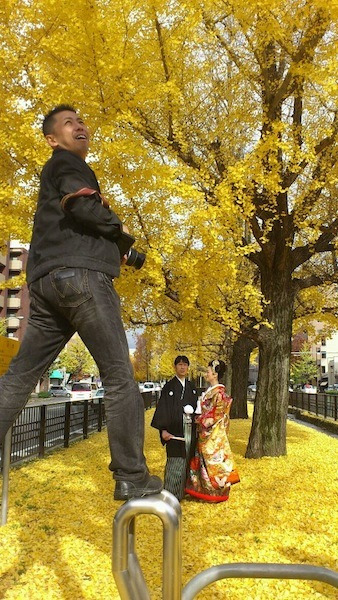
{"x":59,"y":390}
{"x":309,"y":389}
{"x":150,"y":386}
{"x":99,"y":394}
{"x":332,"y":388}
{"x":251,"y":391}
{"x":83,"y":390}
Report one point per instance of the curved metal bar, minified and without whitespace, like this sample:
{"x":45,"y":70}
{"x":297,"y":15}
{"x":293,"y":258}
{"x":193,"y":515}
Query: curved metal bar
{"x":172,"y":549}
{"x":126,"y":569}
{"x":6,"y":459}
{"x":257,"y":570}
{"x":135,"y":571}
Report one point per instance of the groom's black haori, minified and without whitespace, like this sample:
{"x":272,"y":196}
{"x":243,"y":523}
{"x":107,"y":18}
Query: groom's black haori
{"x":169,"y":416}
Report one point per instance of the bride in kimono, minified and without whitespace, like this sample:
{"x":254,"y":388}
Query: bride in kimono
{"x":211,"y":470}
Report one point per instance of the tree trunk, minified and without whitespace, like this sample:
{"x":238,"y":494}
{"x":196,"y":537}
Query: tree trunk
{"x":240,"y":375}
{"x":227,"y":379}
{"x":268,"y":432}
{"x":226,"y":353}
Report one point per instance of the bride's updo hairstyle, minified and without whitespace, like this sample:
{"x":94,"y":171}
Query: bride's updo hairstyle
{"x":218,"y":366}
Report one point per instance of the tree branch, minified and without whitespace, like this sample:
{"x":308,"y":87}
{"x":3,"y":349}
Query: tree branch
{"x":166,"y":75}
{"x":302,"y":254}
{"x":169,"y":292}
{"x":314,"y":281}
{"x":305,"y":53}
{"x":291,"y":176}
{"x":149,"y":133}
{"x":298,"y":113}
{"x":210,"y":26}
{"x":147,"y":323}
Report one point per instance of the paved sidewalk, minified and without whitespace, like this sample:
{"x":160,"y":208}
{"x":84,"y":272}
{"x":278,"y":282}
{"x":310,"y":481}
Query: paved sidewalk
{"x":315,"y":427}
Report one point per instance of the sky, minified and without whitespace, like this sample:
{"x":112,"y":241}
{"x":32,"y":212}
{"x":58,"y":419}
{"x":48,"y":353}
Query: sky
{"x":131,"y":338}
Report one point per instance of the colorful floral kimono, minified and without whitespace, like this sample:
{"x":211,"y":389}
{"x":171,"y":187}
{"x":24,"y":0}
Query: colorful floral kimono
{"x":212,"y":471}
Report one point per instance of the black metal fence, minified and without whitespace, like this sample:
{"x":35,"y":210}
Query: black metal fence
{"x":45,"y":425}
{"x":324,"y":405}
{"x":42,"y":426}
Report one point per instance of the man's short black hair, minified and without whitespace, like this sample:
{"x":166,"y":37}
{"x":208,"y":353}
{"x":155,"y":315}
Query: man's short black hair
{"x":48,"y":121}
{"x":181,"y":358}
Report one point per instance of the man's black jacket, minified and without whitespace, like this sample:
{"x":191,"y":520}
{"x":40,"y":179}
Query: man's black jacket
{"x":169,"y":412}
{"x":72,"y":229}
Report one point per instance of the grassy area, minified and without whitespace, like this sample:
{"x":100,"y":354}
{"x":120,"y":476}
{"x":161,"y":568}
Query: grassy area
{"x":57,"y":543}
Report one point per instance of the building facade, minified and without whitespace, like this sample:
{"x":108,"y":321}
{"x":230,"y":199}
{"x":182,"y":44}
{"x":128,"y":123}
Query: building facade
{"x":327,"y":360}
{"x":14,"y":302}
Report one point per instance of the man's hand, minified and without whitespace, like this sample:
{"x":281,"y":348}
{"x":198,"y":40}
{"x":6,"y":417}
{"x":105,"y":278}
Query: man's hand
{"x":166,"y":436}
{"x":125,"y":257}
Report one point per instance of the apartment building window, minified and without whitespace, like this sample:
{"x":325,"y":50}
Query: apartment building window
{"x":323,"y":341}
{"x":323,"y":354}
{"x":323,"y":370}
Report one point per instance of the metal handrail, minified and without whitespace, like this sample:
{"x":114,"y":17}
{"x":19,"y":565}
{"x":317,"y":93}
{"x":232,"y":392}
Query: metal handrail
{"x":318,"y":403}
{"x":257,"y":570}
{"x":126,"y":568}
{"x":6,"y":453}
{"x":128,"y":574}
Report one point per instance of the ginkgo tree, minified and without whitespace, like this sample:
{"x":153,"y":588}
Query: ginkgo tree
{"x":304,"y":367}
{"x":248,"y":104}
{"x":77,"y":361}
{"x":214,"y":130}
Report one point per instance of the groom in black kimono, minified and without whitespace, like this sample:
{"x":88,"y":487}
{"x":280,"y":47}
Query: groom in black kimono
{"x":168,"y":419}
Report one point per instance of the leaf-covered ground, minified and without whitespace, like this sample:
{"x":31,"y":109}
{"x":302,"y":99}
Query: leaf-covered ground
{"x":58,"y":540}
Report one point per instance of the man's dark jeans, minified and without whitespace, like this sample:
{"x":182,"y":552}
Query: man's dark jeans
{"x":62,"y":302}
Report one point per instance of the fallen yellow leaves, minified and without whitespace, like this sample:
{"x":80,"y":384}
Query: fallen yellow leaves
{"x":57,"y":543}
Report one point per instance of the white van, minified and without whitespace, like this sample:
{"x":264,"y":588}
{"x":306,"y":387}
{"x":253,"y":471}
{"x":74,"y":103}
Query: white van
{"x":149,"y":386}
{"x":83,"y":390}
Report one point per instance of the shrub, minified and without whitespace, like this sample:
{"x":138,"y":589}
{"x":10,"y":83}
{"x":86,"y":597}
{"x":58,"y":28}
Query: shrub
{"x":44,"y":395}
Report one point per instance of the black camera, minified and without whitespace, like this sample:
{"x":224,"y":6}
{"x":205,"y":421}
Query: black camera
{"x":134,"y":258}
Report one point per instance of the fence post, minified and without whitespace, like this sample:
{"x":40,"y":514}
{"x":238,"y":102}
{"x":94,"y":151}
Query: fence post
{"x":6,"y":459}
{"x":42,"y":430}
{"x":66,"y":434}
{"x":100,"y":415}
{"x":335,"y":408}
{"x":85,"y":420}
{"x":325,"y":406}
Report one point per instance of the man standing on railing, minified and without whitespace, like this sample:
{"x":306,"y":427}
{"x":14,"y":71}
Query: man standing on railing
{"x":72,"y":261}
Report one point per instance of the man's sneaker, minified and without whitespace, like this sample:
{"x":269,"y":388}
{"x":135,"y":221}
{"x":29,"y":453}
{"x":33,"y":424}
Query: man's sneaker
{"x":126,"y":490}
